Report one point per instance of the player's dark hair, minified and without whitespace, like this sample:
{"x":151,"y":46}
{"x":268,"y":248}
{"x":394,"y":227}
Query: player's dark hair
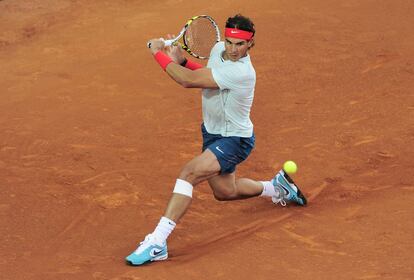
{"x":242,"y":23}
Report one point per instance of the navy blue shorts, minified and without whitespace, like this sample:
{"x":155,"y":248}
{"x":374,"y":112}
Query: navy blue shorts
{"x":229,"y":151}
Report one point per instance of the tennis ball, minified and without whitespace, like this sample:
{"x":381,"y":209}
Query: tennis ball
{"x":290,"y":167}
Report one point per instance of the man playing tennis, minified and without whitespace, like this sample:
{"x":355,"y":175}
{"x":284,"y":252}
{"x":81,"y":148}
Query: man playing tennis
{"x":227,"y":85}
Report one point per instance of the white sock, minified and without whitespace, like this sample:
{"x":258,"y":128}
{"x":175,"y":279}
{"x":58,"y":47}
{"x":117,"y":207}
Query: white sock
{"x":269,"y":189}
{"x":164,"y":229}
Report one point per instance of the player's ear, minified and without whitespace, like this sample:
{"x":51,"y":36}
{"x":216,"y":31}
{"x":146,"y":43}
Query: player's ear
{"x":250,"y":43}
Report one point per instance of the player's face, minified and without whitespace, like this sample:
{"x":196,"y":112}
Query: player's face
{"x":236,"y":48}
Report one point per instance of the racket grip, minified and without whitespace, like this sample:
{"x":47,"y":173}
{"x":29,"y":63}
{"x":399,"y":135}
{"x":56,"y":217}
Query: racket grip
{"x":168,"y":42}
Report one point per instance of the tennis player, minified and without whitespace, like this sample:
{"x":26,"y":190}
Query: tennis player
{"x":227,"y":84}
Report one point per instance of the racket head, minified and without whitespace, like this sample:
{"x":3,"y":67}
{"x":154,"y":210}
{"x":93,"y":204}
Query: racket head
{"x":200,"y":35}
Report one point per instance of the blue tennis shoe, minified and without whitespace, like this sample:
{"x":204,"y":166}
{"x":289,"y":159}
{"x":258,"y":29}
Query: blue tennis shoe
{"x":149,"y":250}
{"x":288,"y":190}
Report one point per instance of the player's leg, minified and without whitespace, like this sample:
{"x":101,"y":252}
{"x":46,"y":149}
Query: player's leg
{"x":231,"y":151}
{"x":196,"y":171}
{"x":281,"y":188}
{"x":227,"y":187}
{"x":154,"y":247}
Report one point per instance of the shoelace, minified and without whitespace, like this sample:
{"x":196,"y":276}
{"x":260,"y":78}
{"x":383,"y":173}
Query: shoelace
{"x":279,"y":199}
{"x":146,"y":240}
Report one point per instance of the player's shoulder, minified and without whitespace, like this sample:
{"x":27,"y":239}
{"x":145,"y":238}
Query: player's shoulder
{"x":219,"y":44}
{"x":218,"y":47}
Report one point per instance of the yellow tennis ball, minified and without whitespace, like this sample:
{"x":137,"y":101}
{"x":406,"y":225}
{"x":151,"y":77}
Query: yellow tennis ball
{"x":290,"y":167}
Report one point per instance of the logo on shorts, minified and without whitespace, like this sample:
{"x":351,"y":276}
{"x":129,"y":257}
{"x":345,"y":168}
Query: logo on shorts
{"x":218,"y":149}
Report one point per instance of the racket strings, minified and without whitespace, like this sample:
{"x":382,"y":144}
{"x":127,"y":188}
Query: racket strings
{"x":201,"y":36}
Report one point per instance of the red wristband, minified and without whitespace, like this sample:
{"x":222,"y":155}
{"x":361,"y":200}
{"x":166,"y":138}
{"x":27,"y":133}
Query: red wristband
{"x":162,"y":59}
{"x":193,"y":65}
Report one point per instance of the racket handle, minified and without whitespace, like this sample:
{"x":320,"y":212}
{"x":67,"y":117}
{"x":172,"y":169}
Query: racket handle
{"x":167,"y":43}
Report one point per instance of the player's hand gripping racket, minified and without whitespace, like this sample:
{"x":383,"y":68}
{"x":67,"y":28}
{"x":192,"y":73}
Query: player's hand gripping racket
{"x":199,"y":35}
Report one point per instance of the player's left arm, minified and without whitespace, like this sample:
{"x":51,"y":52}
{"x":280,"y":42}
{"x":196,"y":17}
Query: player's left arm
{"x":200,"y":78}
{"x":188,"y":78}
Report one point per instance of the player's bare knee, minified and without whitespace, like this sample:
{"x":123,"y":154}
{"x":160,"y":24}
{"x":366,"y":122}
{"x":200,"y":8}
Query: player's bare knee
{"x":190,"y":173}
{"x":220,"y":196}
{"x":187,"y":174}
{"x":224,"y":195}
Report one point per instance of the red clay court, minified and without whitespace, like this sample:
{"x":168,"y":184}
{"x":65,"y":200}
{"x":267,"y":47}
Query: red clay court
{"x":93,"y":135}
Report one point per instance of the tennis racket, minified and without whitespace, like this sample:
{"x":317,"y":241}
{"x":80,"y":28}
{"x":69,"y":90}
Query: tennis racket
{"x":198,"y":35}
